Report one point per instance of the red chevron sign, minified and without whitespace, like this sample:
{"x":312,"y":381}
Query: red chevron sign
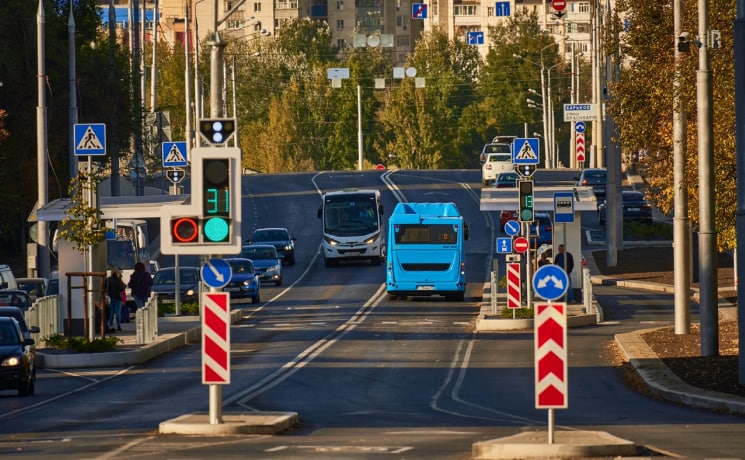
{"x":580,"y":146}
{"x":216,"y":338}
{"x":551,"y":356}
{"x":514,"y":297}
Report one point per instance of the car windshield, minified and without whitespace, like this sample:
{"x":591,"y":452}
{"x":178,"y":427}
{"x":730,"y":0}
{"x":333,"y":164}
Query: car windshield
{"x":18,"y":316}
{"x":259,"y":253}
{"x":633,"y":196}
{"x":8,"y":333}
{"x":16,"y":299}
{"x":241,"y":266}
{"x":169,"y":277}
{"x":500,"y":158}
{"x":269,"y":235}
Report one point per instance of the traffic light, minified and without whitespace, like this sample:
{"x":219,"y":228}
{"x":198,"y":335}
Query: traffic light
{"x":526,"y":213}
{"x":217,"y":131}
{"x":211,"y":223}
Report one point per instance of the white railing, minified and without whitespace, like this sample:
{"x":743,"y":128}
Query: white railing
{"x":45,"y":314}
{"x":146,"y":320}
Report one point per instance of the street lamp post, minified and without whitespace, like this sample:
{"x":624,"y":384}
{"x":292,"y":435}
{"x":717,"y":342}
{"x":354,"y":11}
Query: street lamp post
{"x":542,"y":105}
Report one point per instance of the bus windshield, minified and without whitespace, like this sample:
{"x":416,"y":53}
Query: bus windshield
{"x":121,"y":254}
{"x":348,"y":217}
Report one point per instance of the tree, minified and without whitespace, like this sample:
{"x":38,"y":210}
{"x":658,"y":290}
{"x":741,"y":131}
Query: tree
{"x":643,"y":104}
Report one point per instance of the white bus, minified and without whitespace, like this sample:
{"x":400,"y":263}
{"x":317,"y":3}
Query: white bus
{"x":352,"y":226}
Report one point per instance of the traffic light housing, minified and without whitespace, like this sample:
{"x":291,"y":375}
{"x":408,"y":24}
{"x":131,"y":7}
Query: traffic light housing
{"x":211,"y":223}
{"x":526,"y":212}
{"x":217,"y":131}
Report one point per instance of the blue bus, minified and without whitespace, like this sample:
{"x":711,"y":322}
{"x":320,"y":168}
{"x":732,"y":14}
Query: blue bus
{"x":425,"y":253}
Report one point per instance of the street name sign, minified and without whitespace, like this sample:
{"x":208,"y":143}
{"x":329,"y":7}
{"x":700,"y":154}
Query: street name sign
{"x":581,"y":112}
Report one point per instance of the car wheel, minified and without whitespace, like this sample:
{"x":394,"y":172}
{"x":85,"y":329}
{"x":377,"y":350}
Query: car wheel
{"x":278,"y":282}
{"x":256,"y":298}
{"x":327,"y":262}
{"x":291,"y":261}
{"x":28,"y":388}
{"x":376,"y":260}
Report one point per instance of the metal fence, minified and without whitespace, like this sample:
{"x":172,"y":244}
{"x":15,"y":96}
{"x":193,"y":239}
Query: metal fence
{"x":146,"y":320}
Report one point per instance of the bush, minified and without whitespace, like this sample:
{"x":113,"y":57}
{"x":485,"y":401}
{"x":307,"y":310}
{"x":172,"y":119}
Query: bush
{"x":186,"y":309}
{"x":519,"y":313}
{"x":82,"y":344}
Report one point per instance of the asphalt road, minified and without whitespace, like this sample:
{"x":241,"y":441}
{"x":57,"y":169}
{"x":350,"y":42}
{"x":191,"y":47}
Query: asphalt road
{"x":369,"y":378}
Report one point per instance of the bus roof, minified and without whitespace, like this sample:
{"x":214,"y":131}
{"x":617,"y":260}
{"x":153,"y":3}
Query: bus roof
{"x":427,"y":209}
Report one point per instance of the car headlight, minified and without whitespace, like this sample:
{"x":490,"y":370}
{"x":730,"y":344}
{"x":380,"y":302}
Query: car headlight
{"x":11,"y":361}
{"x":288,"y":247}
{"x":189,"y":292}
{"x":331,"y":241}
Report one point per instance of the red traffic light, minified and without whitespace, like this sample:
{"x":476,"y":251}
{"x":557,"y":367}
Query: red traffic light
{"x":185,"y":230}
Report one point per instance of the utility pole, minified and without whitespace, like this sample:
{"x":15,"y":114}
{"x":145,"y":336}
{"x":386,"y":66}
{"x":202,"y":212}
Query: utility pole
{"x":41,"y":142}
{"x":681,"y":231}
{"x":739,"y":41}
{"x":707,"y":237}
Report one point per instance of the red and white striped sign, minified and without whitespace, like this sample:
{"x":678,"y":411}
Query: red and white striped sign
{"x":551,"y":388}
{"x":514,"y":297}
{"x":580,"y":146}
{"x":216,"y":338}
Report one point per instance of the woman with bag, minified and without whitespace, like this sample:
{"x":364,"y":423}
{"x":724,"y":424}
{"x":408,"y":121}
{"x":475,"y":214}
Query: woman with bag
{"x":114,"y":288}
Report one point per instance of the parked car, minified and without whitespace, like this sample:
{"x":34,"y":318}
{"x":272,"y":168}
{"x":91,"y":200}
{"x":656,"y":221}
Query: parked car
{"x":36,"y":287}
{"x":595,"y":178}
{"x":266,"y":261}
{"x":506,"y":180}
{"x":17,"y":314}
{"x":7,"y":280}
{"x":16,"y":298}
{"x":635,"y":207}
{"x":52,"y":284}
{"x":279,"y":238}
{"x":17,"y":355}
{"x":495,"y":163}
{"x":164,"y":285}
{"x":244,"y":283}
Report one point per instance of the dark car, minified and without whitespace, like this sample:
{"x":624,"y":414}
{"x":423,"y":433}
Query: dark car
{"x":53,"y":284}
{"x":244,"y":282}
{"x":17,"y":314}
{"x":164,"y":285}
{"x":506,"y":216}
{"x":279,"y":238}
{"x":506,"y":180}
{"x":635,"y":207}
{"x":17,"y":356}
{"x":541,"y":230}
{"x":16,"y":298}
{"x":595,"y":178}
{"x":266,"y":261}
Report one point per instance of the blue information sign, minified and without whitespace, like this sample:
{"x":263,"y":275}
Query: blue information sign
{"x":90,"y":139}
{"x":525,"y":151}
{"x":419,"y":11}
{"x":475,"y":38}
{"x":550,"y":282}
{"x":174,"y":154}
{"x":216,"y":273}
{"x":502,"y":8}
{"x":504,"y":245}
{"x":563,"y":207}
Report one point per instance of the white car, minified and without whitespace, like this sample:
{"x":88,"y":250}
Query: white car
{"x":495,"y":163}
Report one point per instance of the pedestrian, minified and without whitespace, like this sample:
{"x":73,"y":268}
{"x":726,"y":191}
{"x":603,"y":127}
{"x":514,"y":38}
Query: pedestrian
{"x":543,"y":260}
{"x":565,"y":260}
{"x":114,"y":287}
{"x":140,"y":283}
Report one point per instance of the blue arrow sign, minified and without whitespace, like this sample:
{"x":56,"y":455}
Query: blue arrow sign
{"x":504,"y":245}
{"x":525,"y":151}
{"x":475,"y":38}
{"x":90,"y":139}
{"x":550,"y":282}
{"x":216,"y":273}
{"x":174,"y":154}
{"x":580,"y":126}
{"x":512,"y":227}
{"x":502,"y":8}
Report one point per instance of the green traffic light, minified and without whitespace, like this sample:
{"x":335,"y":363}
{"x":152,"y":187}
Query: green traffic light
{"x":216,"y":230}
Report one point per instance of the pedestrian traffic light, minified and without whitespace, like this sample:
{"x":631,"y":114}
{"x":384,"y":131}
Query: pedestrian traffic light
{"x":526,"y":213}
{"x":217,"y":131}
{"x":211,"y":223}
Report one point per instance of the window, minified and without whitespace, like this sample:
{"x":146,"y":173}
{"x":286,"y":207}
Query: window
{"x":583,"y":7}
{"x":341,"y":43}
{"x":465,"y":10}
{"x":340,"y":24}
{"x":490,"y":11}
{"x":339,"y":6}
{"x":285,"y":4}
{"x":257,"y":7}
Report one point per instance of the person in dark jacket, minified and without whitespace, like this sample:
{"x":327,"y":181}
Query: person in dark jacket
{"x":140,"y":283}
{"x":114,"y":288}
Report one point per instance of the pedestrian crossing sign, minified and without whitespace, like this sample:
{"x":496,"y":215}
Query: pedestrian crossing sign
{"x":525,"y":151}
{"x":90,"y":139}
{"x":174,"y":154}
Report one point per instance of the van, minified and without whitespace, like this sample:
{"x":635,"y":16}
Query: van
{"x":496,"y":163}
{"x":7,"y":280}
